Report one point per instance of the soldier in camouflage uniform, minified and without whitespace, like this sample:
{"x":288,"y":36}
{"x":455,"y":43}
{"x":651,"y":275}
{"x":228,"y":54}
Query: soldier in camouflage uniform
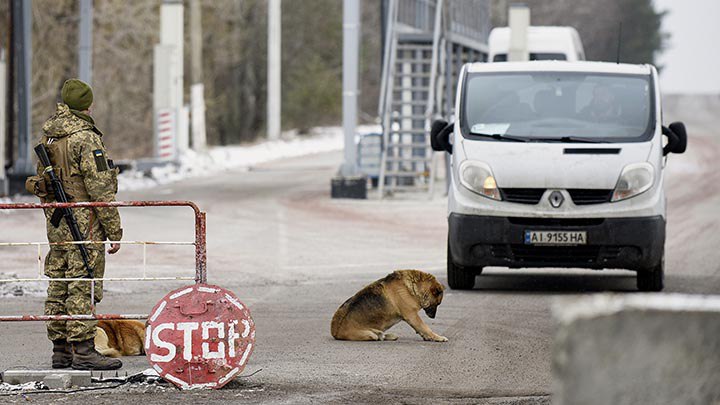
{"x":76,"y":149}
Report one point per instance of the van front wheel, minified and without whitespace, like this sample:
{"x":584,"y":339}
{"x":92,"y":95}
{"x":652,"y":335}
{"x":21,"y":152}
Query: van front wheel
{"x":459,"y":278}
{"x":653,"y":279}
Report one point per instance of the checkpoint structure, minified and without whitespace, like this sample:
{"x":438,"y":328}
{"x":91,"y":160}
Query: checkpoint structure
{"x":198,"y":336}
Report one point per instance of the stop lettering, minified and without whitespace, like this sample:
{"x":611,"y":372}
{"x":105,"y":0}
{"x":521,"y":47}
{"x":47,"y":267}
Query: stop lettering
{"x":199,"y":336}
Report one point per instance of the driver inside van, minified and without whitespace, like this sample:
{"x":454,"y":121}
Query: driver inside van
{"x":602,"y":106}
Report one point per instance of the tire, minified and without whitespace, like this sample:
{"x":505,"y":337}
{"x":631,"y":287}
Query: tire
{"x":459,"y":278}
{"x":652,"y":279}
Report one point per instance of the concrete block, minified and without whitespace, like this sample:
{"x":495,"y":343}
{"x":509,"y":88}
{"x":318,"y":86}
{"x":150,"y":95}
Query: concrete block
{"x":349,"y":187}
{"x":637,"y":349}
{"x":79,"y":378}
{"x":58,"y":381}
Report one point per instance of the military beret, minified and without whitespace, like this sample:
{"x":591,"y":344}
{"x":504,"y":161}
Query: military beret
{"x":77,"y":94}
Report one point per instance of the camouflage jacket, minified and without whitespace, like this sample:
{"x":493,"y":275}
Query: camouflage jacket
{"x":78,"y":155}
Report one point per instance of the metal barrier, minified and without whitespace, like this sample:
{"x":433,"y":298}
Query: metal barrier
{"x":199,"y":243}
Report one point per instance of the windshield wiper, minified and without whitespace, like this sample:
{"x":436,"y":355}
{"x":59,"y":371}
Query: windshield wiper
{"x":569,"y":139}
{"x":501,"y":137}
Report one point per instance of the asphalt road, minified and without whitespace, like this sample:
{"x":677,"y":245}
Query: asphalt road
{"x":293,"y":256}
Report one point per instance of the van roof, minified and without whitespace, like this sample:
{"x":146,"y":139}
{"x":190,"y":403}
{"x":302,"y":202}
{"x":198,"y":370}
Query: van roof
{"x":540,"y":39}
{"x":536,"y":30}
{"x":560,"y":66}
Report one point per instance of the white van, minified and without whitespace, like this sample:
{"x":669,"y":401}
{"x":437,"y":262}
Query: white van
{"x":543,"y":43}
{"x":557,"y":164}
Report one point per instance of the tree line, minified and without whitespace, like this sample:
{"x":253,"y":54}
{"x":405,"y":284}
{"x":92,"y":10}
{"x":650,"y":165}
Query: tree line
{"x":235,"y":56}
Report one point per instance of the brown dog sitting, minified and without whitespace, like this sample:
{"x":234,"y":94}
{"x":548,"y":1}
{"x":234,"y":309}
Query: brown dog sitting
{"x":397,"y":297}
{"x":120,"y":338}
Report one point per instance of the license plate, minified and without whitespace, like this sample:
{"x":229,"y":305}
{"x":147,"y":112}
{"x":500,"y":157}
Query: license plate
{"x":555,"y":238}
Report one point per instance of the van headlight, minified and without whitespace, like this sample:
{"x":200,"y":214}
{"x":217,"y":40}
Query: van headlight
{"x":635,"y":179}
{"x":478,"y":178}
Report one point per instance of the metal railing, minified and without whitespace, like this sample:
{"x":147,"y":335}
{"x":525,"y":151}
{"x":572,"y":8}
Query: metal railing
{"x":199,"y":243}
{"x":467,"y":18}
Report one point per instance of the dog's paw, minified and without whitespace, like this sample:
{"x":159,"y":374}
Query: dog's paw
{"x":435,"y":338}
{"x":390,"y":336}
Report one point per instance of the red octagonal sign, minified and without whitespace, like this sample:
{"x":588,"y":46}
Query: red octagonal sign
{"x":199,"y":336}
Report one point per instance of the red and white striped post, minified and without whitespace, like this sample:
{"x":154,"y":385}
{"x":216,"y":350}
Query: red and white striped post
{"x":166,"y":130}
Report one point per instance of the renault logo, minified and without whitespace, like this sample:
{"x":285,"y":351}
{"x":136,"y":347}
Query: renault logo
{"x":556,"y":199}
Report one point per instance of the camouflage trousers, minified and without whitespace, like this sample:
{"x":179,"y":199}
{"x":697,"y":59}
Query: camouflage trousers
{"x":72,"y":297}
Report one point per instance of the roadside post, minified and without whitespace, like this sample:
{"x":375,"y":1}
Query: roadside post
{"x":22,"y":57}
{"x":349,"y":183}
{"x":3,"y":86}
{"x":171,"y":139}
{"x":519,"y":21}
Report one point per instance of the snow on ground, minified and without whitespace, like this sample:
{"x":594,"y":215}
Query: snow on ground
{"x":19,"y":289}
{"x":219,"y":159}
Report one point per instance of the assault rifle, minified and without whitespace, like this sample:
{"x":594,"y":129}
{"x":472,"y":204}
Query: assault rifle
{"x":67,"y":213}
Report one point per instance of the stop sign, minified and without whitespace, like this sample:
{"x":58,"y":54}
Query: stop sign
{"x":199,"y":336}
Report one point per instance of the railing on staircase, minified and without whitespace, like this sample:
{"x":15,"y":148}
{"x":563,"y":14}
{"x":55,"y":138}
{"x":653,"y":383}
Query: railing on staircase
{"x":414,"y":82}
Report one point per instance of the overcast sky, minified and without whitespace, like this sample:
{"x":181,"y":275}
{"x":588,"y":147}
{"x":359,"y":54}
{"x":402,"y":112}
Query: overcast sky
{"x":692,"y":60}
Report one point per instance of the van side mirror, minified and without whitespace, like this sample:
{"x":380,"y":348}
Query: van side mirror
{"x":679,"y":129}
{"x":440,"y":132}
{"x":677,"y":138}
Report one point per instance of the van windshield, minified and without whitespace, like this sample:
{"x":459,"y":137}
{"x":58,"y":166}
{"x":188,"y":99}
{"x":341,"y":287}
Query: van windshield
{"x":558,"y":106}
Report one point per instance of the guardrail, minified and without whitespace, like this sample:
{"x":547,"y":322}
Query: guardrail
{"x":199,"y":243}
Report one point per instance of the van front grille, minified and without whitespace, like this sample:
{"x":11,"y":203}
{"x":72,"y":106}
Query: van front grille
{"x":559,"y":222}
{"x":586,"y":196}
{"x":587,"y":254}
{"x":523,"y":195}
{"x":580,"y":196}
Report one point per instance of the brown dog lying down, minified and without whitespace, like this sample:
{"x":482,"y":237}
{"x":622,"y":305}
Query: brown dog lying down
{"x":120,"y":338}
{"x":397,"y":297}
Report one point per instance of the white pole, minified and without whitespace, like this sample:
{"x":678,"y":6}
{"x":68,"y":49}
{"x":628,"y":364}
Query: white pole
{"x":171,"y":139}
{"x":3,"y":77}
{"x":274,"y":69}
{"x":197,"y":89}
{"x":85,"y":41}
{"x":518,"y":21}
{"x":351,"y":50}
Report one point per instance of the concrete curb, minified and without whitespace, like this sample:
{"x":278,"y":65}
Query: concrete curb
{"x":53,"y":379}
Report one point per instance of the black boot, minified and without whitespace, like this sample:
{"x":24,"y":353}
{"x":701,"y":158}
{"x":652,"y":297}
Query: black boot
{"x":86,"y":358}
{"x":62,"y":354}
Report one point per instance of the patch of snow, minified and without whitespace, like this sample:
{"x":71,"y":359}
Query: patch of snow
{"x":219,"y":159}
{"x":6,"y":200}
{"x":28,"y":386}
{"x":20,"y":289}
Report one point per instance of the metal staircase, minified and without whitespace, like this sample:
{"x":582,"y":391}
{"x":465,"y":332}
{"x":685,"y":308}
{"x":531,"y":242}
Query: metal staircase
{"x":413,"y":87}
{"x":409,"y":78}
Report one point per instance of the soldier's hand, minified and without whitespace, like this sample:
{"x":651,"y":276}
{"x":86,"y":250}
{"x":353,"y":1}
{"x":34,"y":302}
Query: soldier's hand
{"x":114,"y":247}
